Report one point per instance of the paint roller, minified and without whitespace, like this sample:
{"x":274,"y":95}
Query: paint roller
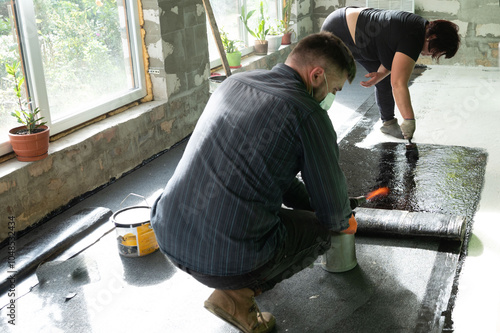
{"x":405,"y":223}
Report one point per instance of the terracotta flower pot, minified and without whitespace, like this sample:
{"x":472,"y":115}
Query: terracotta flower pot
{"x":260,"y":47}
{"x":287,"y":39}
{"x":30,"y":147}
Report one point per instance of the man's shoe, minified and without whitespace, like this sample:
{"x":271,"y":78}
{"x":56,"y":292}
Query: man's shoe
{"x":238,"y":308}
{"x":392,"y":128}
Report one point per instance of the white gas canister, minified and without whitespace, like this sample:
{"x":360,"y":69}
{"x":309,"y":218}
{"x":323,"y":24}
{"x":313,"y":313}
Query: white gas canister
{"x":341,"y":256}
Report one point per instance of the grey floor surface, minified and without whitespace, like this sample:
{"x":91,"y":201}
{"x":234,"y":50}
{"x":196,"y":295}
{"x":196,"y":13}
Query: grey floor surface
{"x":400,"y":284}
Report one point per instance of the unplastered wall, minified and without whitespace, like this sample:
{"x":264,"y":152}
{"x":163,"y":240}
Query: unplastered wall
{"x":177,"y":45}
{"x":176,"y":52}
{"x":303,"y":10}
{"x":322,"y":8}
{"x":478,"y":20}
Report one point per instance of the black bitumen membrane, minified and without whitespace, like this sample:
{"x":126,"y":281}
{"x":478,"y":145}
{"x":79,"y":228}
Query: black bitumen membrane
{"x":401,"y":283}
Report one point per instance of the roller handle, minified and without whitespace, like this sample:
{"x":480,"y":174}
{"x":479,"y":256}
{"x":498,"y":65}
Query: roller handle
{"x":357,"y":201}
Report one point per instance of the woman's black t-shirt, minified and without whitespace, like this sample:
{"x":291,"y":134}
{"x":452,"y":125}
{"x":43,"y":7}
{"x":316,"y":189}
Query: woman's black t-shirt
{"x":381,"y":33}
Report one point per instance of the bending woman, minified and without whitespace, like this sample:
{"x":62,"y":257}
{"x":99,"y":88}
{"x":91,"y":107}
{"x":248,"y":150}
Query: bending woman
{"x":387,"y":43}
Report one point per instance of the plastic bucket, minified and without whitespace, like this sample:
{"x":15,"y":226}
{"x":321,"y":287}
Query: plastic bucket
{"x":341,"y":256}
{"x":215,"y":81}
{"x":135,"y":235}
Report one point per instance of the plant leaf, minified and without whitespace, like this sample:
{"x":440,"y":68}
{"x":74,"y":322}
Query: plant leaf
{"x":249,"y":14}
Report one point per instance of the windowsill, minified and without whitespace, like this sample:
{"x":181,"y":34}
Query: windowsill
{"x":248,"y":61}
{"x":79,"y":136}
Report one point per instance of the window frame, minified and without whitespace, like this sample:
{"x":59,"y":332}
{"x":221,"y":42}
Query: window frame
{"x":31,"y":59}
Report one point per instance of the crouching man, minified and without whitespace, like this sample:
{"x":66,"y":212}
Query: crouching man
{"x":221,"y":217}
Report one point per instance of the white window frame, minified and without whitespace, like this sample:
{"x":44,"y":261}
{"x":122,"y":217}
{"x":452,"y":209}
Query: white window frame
{"x":35,"y":79}
{"x":245,"y":36}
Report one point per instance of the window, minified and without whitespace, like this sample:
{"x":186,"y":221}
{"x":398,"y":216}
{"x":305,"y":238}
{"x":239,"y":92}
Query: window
{"x":81,"y":58}
{"x":227,"y":15}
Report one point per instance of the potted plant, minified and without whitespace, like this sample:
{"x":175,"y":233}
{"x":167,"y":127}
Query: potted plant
{"x":260,"y":32}
{"x":30,"y":142}
{"x":233,"y":54}
{"x":287,"y":30}
{"x":274,"y":37}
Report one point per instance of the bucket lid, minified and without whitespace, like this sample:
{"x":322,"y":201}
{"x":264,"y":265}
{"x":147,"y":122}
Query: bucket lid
{"x":132,"y":216}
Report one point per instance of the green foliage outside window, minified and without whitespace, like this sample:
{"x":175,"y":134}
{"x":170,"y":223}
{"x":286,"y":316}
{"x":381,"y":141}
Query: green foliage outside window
{"x":8,"y":55}
{"x":81,"y":46}
{"x":80,"y":41}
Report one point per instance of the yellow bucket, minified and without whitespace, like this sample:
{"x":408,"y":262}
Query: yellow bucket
{"x":135,"y":235}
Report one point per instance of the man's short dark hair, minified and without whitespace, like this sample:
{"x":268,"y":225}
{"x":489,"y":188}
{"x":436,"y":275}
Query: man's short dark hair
{"x":447,"y":39}
{"x":325,"y":47}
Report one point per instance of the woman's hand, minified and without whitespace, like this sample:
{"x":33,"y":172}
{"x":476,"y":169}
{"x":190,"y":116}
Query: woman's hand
{"x":375,"y":77}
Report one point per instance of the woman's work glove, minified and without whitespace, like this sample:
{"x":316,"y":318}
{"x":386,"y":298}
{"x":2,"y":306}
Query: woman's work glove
{"x":353,"y":226}
{"x":408,"y":128}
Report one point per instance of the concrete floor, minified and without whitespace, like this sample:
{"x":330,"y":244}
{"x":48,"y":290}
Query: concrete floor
{"x":460,"y":106}
{"x":455,"y":106}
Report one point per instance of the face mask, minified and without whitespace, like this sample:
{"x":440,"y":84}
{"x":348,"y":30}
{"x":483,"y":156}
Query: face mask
{"x":327,"y":102}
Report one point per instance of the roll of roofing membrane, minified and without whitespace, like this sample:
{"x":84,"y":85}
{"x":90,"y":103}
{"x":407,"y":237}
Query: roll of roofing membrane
{"x":405,"y":223}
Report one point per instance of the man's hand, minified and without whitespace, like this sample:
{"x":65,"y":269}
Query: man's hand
{"x":408,"y":128}
{"x":353,"y":226}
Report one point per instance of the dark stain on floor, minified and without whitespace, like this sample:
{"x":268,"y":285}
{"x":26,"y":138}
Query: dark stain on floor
{"x":428,"y":178}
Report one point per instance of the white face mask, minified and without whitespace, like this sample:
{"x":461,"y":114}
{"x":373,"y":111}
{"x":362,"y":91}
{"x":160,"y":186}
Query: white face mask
{"x":327,"y":102}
